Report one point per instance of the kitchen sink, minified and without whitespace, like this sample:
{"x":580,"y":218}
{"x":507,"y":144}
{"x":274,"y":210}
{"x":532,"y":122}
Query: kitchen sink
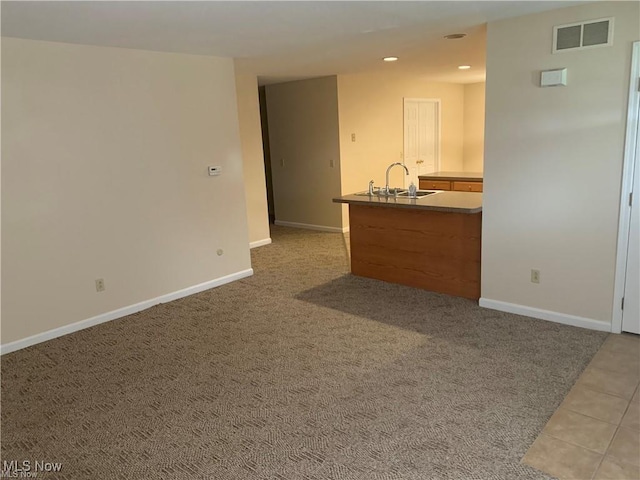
{"x":419,"y":193}
{"x":401,"y":191}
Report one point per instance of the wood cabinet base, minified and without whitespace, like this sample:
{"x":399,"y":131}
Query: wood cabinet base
{"x":437,"y":251}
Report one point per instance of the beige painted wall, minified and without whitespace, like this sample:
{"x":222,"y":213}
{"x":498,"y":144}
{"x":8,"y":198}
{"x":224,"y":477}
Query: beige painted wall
{"x":303,"y":132}
{"x":104,"y":175}
{"x":473,"y":149}
{"x":371,"y":106}
{"x":252,"y":156}
{"x":553,"y":162}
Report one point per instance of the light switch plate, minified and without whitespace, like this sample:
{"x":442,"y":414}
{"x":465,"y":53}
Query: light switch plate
{"x":213,"y":171}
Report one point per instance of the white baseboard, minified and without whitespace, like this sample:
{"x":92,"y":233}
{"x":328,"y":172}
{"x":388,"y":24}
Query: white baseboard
{"x":121,"y":312}
{"x":556,"y":317}
{"x":321,"y":228}
{"x":260,"y":243}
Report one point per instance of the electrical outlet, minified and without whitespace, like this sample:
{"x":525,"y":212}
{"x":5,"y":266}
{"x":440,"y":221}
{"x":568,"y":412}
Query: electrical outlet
{"x":282,"y":162}
{"x":100,"y":285}
{"x":353,"y":137}
{"x":535,"y":276}
{"x":332,"y":163}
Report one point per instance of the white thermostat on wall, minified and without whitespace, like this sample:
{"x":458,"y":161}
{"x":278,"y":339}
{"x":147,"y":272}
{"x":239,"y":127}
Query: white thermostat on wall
{"x":553,"y":78}
{"x":213,"y":171}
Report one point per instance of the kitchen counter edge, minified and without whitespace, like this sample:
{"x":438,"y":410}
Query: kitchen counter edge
{"x":453,"y":202}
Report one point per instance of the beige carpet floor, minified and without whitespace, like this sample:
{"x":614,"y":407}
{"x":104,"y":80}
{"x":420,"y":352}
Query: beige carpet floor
{"x":301,"y":371}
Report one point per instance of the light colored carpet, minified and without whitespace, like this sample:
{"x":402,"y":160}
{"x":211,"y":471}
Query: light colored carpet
{"x":299,"y":372}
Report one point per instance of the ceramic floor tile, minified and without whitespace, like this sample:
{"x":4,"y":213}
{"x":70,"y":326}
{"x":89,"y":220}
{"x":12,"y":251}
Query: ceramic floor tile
{"x":580,"y":430}
{"x":631,"y":419}
{"x":613,"y":469}
{"x":609,"y":382}
{"x":625,"y":343}
{"x":625,"y":340}
{"x":561,"y":459}
{"x":592,"y":403}
{"x":620,"y":361}
{"x":584,"y":427}
{"x":626,"y":446}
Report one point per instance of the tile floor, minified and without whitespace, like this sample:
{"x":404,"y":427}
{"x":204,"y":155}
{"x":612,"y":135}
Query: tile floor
{"x":595,"y":433}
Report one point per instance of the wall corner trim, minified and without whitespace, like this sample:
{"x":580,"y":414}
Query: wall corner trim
{"x":260,"y":243}
{"x":121,"y":312}
{"x":548,"y":315}
{"x":307,"y":226}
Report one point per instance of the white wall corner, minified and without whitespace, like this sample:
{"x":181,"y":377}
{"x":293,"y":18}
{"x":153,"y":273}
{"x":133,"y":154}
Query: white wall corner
{"x":548,"y":315}
{"x":260,"y":243}
{"x":121,"y":312}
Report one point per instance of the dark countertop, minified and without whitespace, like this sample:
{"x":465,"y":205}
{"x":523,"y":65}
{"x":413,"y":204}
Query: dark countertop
{"x":442,"y":201}
{"x":461,"y":176}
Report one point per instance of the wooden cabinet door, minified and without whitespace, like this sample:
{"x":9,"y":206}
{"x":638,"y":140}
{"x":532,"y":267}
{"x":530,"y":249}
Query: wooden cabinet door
{"x":435,"y":184}
{"x":467,"y":186}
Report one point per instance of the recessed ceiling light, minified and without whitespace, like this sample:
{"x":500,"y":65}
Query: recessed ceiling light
{"x":464,"y":67}
{"x":390,"y":59}
{"x":455,"y":36}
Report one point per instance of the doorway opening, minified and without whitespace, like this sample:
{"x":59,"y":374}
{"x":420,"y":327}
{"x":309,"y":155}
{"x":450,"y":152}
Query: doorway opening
{"x":267,"y":153}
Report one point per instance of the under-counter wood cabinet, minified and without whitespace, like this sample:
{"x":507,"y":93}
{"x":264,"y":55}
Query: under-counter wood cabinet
{"x":436,"y":251}
{"x":467,"y":186}
{"x":432,"y":243}
{"x":460,"y":182}
{"x":434,"y":185}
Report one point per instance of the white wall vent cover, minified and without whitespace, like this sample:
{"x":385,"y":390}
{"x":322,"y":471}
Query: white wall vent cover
{"x":582,"y":35}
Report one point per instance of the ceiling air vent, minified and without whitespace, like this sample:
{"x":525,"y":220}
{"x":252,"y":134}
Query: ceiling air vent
{"x":582,"y":35}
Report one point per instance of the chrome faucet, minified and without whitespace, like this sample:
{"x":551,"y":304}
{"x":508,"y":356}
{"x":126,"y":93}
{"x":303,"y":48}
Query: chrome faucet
{"x":389,"y":169}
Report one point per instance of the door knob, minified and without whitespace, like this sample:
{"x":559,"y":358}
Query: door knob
{"x":419,"y":161}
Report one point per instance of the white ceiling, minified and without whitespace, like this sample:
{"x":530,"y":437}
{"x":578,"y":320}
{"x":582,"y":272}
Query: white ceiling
{"x":282,"y":40}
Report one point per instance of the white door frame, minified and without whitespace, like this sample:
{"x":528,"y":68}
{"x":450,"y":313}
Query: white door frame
{"x":438,"y":104}
{"x":627,"y":187}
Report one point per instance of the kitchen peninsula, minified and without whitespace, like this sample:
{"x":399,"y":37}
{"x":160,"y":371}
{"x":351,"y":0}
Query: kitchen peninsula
{"x":430,"y":242}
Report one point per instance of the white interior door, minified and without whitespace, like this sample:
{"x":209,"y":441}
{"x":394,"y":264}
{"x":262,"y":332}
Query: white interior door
{"x":626,"y":305}
{"x":421,"y":137}
{"x":631,"y":311}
